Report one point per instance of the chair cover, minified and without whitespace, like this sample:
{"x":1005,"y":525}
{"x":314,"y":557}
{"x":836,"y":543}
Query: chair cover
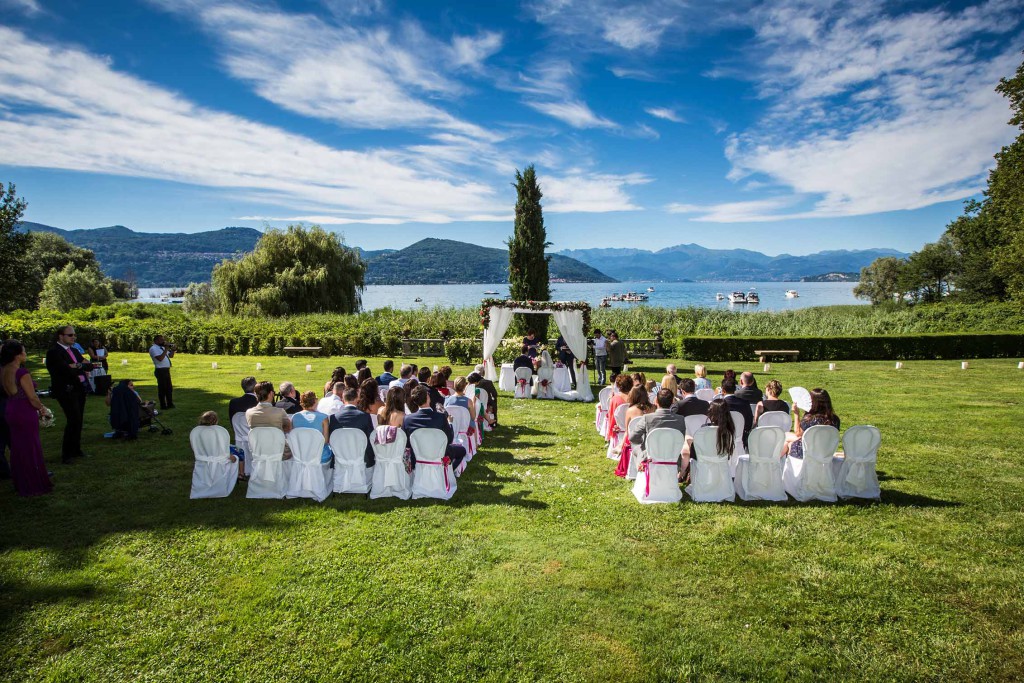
{"x":308,"y":478}
{"x":737,"y":449}
{"x":800,"y":398}
{"x":759,"y":475}
{"x":604,"y":397}
{"x":389,"y":475}
{"x":269,"y":477}
{"x":214,"y":475}
{"x":351,"y":475}
{"x":433,"y":477}
{"x":694,"y":422}
{"x":382,"y":392}
{"x":545,"y":385}
{"x":241,"y":429}
{"x":481,"y":414}
{"x":659,"y":483}
{"x":373,"y":420}
{"x":776,"y":418}
{"x":855,"y":474}
{"x":709,"y":474}
{"x":619,"y":435}
{"x":523,"y":377}
{"x":563,"y":380}
{"x":460,"y":425}
{"x":705,"y":394}
{"x":812,"y":476}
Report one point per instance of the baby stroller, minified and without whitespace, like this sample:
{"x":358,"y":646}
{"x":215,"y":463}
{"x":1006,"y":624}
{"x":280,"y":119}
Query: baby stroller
{"x":129,"y":413}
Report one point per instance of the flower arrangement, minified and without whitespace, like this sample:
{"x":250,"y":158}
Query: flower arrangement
{"x":542,"y":306}
{"x":46,"y":418}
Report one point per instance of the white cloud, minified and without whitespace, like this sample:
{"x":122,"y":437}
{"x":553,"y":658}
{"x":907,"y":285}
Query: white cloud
{"x":734,"y":212}
{"x":631,"y":32}
{"x":340,"y":220}
{"x":589,"y":192}
{"x":625,"y":26}
{"x":664,"y":113}
{"x":29,"y":7}
{"x":472,"y":51}
{"x":632,"y":74}
{"x":551,"y":88}
{"x":576,"y":113}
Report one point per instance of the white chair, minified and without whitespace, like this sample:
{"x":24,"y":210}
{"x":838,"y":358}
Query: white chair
{"x":214,"y":475}
{"x":241,"y":429}
{"x":351,"y":475}
{"x":523,"y":377}
{"x":759,"y":474}
{"x":309,"y":478}
{"x":709,"y":473}
{"x":269,"y":478}
{"x":855,"y":474}
{"x":738,"y":449}
{"x":811,"y":477}
{"x":615,"y":443}
{"x":604,"y":397}
{"x":460,"y":425}
{"x":546,"y":374}
{"x":481,"y":414}
{"x":660,"y":482}
{"x":705,"y":394}
{"x":389,"y":476}
{"x":382,"y":392}
{"x":776,"y":418}
{"x":694,"y":422}
{"x":432,"y":478}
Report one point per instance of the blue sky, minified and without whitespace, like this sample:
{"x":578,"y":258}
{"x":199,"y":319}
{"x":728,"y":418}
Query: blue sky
{"x":788,"y":126}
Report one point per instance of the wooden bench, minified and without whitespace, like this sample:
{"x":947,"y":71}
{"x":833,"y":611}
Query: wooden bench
{"x":765,"y":356}
{"x":312,"y":350}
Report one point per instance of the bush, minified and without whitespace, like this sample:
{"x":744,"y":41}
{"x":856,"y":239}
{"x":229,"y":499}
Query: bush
{"x":73,"y":287}
{"x":463,"y":351}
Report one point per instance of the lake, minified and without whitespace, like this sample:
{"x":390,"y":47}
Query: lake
{"x":666,"y":294}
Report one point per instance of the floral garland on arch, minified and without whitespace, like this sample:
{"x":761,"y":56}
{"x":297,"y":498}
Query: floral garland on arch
{"x":539,"y":306}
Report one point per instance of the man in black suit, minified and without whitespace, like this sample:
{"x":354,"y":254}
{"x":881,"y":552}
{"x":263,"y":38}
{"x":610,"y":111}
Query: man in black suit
{"x":69,"y":384}
{"x":748,"y":390}
{"x":289,"y":398}
{"x":565,"y":357}
{"x":488,"y":388}
{"x":385,"y":378}
{"x":523,"y":360}
{"x":739,"y":405}
{"x":246,"y":400}
{"x":350,"y":417}
{"x":431,"y":419}
{"x":690,"y":404}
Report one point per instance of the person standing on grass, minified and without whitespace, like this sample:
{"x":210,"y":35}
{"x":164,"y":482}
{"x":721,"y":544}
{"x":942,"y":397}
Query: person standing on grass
{"x":162,"y":353}
{"x":68,"y":385}
{"x":600,"y":357}
{"x":22,"y":412}
{"x":616,"y":354}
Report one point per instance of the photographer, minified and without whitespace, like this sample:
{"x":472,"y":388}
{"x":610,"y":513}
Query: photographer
{"x":161,"y":354}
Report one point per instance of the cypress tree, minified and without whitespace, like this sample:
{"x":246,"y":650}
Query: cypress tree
{"x":527,"y":264}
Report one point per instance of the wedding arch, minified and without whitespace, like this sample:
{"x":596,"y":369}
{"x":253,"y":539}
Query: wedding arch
{"x":571,"y":317}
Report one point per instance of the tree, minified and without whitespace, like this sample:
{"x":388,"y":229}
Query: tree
{"x":527,"y":265}
{"x":296,"y":270}
{"x":48,"y":252}
{"x":73,"y":287}
{"x":881,"y":281}
{"x":199,"y":298}
{"x":976,"y":239}
{"x":929,"y":271}
{"x":13,"y":243}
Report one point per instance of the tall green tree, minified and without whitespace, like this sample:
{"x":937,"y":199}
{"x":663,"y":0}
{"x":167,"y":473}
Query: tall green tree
{"x":73,"y":287}
{"x":881,"y":281}
{"x":296,"y":270}
{"x":928,"y":272}
{"x":13,"y":243}
{"x":528,"y":276}
{"x":48,"y":252}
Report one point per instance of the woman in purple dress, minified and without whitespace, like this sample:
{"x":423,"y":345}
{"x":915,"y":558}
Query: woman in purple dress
{"x":28,"y":470}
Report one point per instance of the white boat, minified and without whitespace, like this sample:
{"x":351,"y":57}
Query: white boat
{"x":752,"y":297}
{"x":791,"y":294}
{"x":650,"y":289}
{"x":719,"y":297}
{"x":418,"y":300}
{"x":605,"y":303}
{"x":490,"y":291}
{"x":737,"y":298}
{"x":635,"y":296}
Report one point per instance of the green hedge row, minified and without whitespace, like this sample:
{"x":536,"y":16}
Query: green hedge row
{"x":887,"y":347}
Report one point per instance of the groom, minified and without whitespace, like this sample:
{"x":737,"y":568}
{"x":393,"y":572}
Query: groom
{"x":69,"y":383}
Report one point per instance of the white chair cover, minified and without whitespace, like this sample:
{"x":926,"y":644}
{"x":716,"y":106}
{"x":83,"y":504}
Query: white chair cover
{"x":693,"y":423}
{"x":660,"y":482}
{"x":269,"y":478}
{"x":776,"y":418}
{"x":309,"y":478}
{"x":811,"y":478}
{"x":563,"y":380}
{"x":601,"y":410}
{"x":856,"y":476}
{"x":432,"y":478}
{"x":523,"y":377}
{"x":738,"y":449}
{"x":759,"y":475}
{"x":460,"y":425}
{"x":545,"y":385}
{"x":709,"y":474}
{"x":241,"y":429}
{"x":382,"y":392}
{"x":351,"y":475}
{"x":389,"y":475}
{"x":615,"y":443}
{"x":481,"y":414}
{"x":800,"y":398}
{"x":214,"y":475}
{"x":507,"y":380}
{"x":705,"y":394}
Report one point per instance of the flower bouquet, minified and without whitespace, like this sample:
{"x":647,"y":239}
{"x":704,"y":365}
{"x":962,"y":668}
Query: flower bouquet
{"x":46,"y":418}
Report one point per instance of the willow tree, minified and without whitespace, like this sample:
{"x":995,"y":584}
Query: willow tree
{"x":527,"y":264}
{"x":296,"y":270}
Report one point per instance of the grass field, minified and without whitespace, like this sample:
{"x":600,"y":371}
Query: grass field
{"x":543,"y":567}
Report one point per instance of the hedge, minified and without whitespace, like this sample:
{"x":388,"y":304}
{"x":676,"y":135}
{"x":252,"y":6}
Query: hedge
{"x":886,"y":347}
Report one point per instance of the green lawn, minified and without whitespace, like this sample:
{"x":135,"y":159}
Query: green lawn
{"x":543,"y":567}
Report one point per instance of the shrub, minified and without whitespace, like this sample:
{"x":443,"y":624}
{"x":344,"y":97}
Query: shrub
{"x":463,"y":351}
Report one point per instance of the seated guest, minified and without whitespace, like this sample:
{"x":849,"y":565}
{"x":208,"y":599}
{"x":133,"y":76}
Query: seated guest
{"x":623,"y":385}
{"x":669,"y":382}
{"x":478,"y":393}
{"x":771,"y":402}
{"x":369,"y":397}
{"x":531,"y":343}
{"x":363,"y":374}
{"x":425,"y":417}
{"x":739,"y":405}
{"x":690,"y":404}
{"x":337,"y":375}
{"x":700,"y":377}
{"x":670,"y":369}
{"x":351,"y":382}
{"x":266,"y":414}
{"x":288,"y":398}
{"x":523,"y":360}
{"x":639,"y":406}
{"x":460,"y":399}
{"x":210,"y":419}
{"x":360,"y":364}
{"x":438,"y":389}
{"x":350,"y":417}
{"x":392,"y":413}
{"x":639,"y":379}
{"x":727,"y":376}
{"x":404,"y":375}
{"x":423,"y":375}
{"x":662,"y":417}
{"x":125,"y":409}
{"x":246,"y":400}
{"x":386,"y":378}
{"x":748,"y":390}
{"x":309,"y":418}
{"x":446,"y":370}
{"x":821,"y":413}
{"x":408,"y":388}
{"x":489,"y":388}
{"x":725,"y":438}
{"x":331,"y":403}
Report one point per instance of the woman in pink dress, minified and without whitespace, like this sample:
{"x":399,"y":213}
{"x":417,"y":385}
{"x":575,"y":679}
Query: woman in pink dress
{"x":623,"y":384}
{"x":639,"y":404}
{"x":28,"y":470}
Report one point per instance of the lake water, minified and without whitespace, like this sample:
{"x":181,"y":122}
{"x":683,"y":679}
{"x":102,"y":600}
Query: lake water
{"x":667,"y":294}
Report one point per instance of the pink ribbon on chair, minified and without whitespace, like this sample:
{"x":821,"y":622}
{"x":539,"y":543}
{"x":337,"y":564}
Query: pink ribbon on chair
{"x":544,"y":383}
{"x":447,"y":486}
{"x":469,"y":444}
{"x":647,"y":492}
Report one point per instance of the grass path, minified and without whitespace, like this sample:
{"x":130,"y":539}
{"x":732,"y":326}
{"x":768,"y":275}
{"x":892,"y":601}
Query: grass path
{"x":543,"y":567}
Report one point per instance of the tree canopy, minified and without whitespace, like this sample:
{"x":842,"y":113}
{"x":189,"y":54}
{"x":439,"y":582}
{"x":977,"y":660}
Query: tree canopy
{"x":73,"y":287}
{"x":295,"y":270}
{"x":528,"y":275}
{"x":13,"y":244}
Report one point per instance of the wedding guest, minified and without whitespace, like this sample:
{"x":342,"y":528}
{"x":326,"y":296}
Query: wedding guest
{"x":98,"y":354}
{"x":460,"y":399}
{"x":392,"y":413}
{"x":639,"y":405}
{"x":689,"y":404}
{"x":310,"y":418}
{"x":425,"y":417}
{"x":748,"y":390}
{"x":725,"y":434}
{"x":771,"y":402}
{"x":446,"y":370}
{"x":727,"y":376}
{"x":360,"y":364}
{"x":22,"y":411}
{"x":669,"y":382}
{"x":616,"y":354}
{"x":404,"y":375}
{"x":423,"y":375}
{"x":639,"y":378}
{"x":246,"y":400}
{"x":409,"y":387}
{"x":531,"y":342}
{"x":739,"y":405}
{"x":288,"y":398}
{"x":337,"y":375}
{"x":670,"y":369}
{"x":821,"y":413}
{"x":480,"y":392}
{"x":5,"y":438}
{"x":600,"y":356}
{"x":369,"y":397}
{"x":363,"y":374}
{"x":489,"y":388}
{"x":438,"y":389}
{"x":351,"y":382}
{"x":623,"y":385}
{"x":331,"y":404}
{"x":386,"y":378}
{"x":701,"y":377}
{"x":68,"y":385}
{"x":663,"y":417}
{"x":351,"y":417}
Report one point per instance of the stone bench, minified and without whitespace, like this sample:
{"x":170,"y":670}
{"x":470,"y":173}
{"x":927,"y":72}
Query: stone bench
{"x":767,"y":355}
{"x":311,"y":350}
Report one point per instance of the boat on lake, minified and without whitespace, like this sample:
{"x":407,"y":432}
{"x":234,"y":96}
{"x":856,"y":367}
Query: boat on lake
{"x":753,"y":298}
{"x":490,"y":291}
{"x":737,"y":298}
{"x":791,"y":294}
{"x":418,"y":300}
{"x":605,"y":303}
{"x":650,"y":289}
{"x":719,"y":297}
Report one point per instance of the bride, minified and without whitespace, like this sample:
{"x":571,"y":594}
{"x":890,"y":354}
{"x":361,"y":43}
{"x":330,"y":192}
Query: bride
{"x":544,"y":384}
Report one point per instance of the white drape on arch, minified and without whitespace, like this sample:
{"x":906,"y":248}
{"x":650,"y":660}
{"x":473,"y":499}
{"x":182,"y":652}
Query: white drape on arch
{"x":570,"y":325}
{"x":493,"y":334}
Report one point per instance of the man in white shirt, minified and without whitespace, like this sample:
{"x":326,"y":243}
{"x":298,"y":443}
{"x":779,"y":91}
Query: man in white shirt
{"x":403,"y":377}
{"x":161,"y":354}
{"x":331,"y":404}
{"x":600,"y":356}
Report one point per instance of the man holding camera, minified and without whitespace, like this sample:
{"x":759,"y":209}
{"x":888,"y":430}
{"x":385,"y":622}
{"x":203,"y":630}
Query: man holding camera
{"x":68,"y":385}
{"x":161,"y":354}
